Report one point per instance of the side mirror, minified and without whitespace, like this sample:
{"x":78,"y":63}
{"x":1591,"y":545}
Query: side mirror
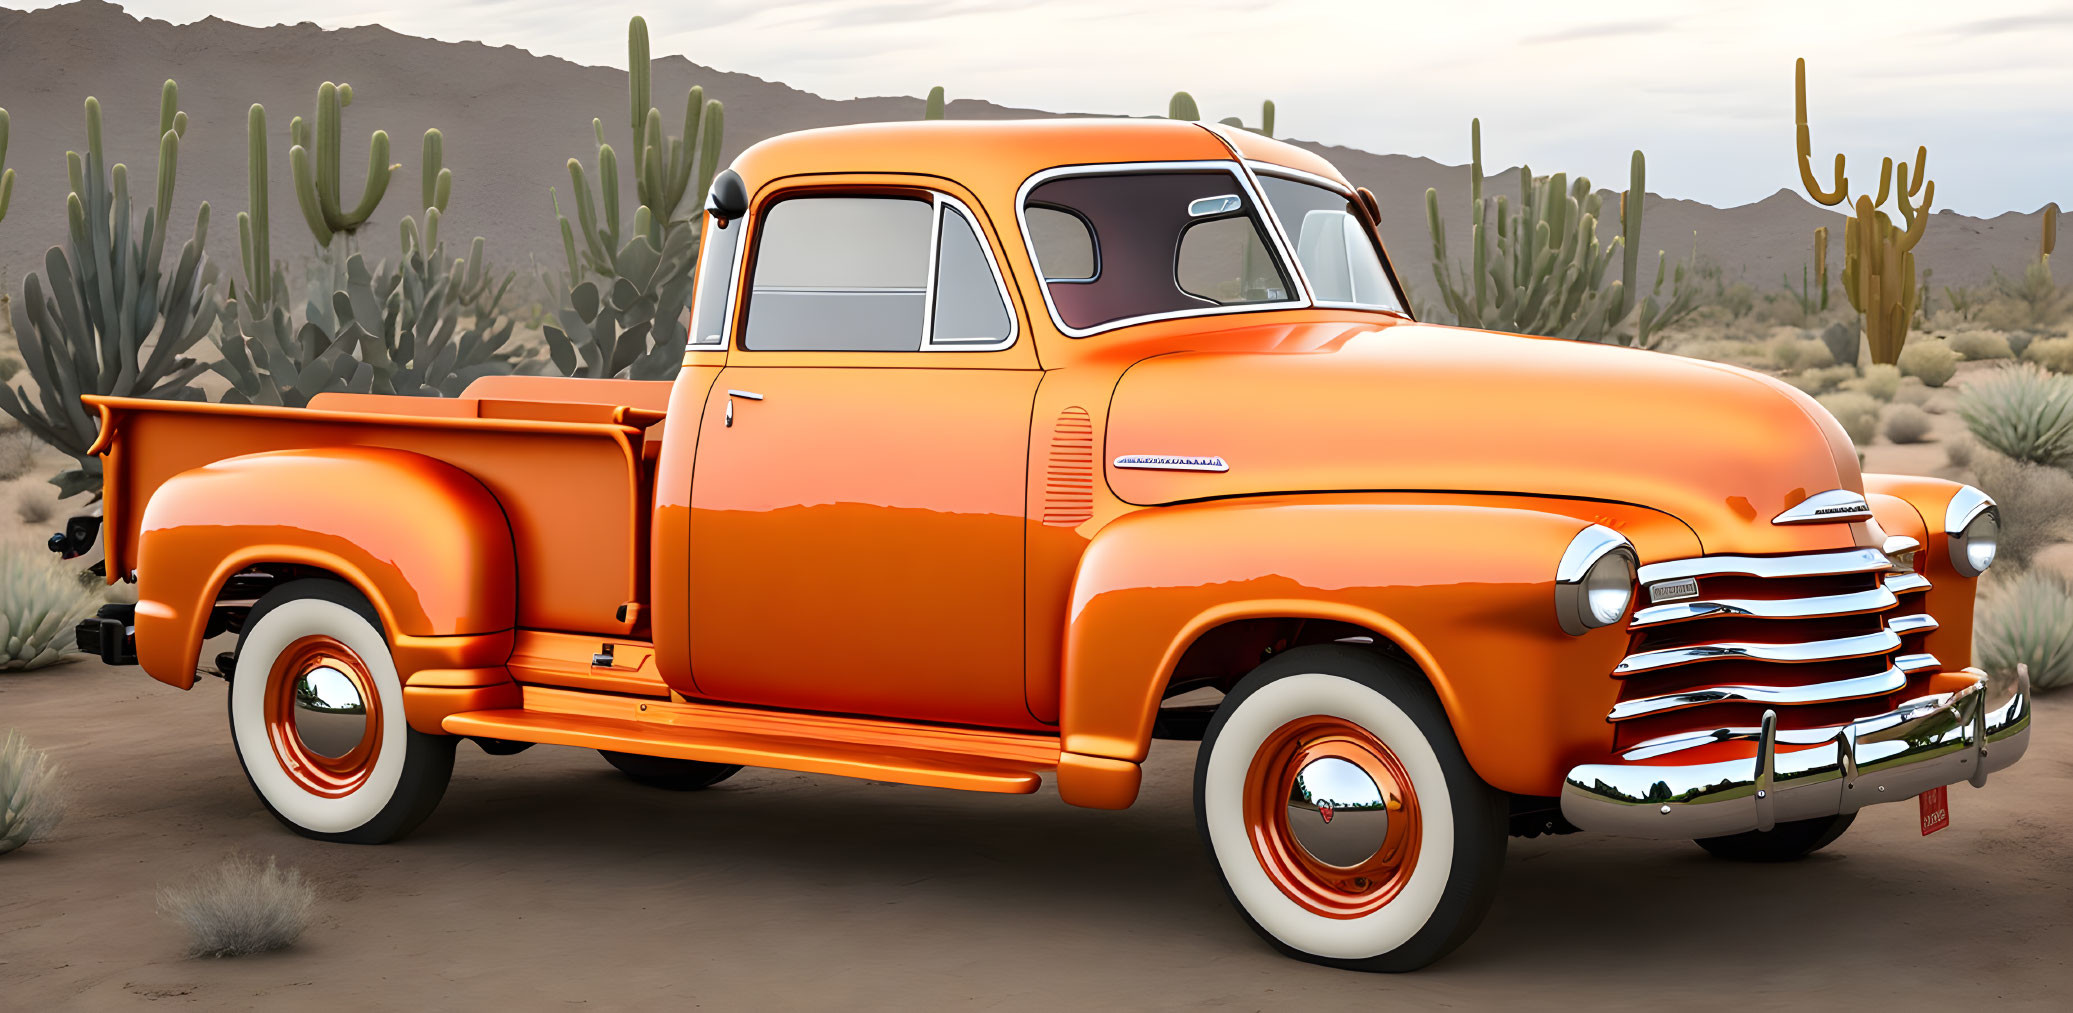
{"x":1372,"y":206}
{"x":729,"y":199}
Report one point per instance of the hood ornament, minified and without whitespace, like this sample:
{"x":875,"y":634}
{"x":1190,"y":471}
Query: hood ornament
{"x":1171,"y":462}
{"x":1826,"y":508}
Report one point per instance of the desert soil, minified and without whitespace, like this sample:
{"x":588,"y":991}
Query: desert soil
{"x":547,"y":881}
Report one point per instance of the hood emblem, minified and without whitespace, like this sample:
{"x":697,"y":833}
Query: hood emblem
{"x":1825,"y":508}
{"x":1171,"y":462}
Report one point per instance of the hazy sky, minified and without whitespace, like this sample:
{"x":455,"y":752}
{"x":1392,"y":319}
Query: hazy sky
{"x":1704,"y":89}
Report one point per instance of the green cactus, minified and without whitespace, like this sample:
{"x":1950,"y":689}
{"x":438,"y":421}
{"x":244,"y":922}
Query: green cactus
{"x":2045,"y":244}
{"x":1182,"y":107}
{"x":6,"y":174}
{"x":314,"y":163}
{"x":933,"y":108}
{"x":628,"y":330}
{"x":1878,"y":256}
{"x":1540,"y":268}
{"x":435,"y":180}
{"x":662,"y":165}
{"x":115,"y":317}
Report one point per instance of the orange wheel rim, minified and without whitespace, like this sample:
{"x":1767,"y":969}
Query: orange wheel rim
{"x":1332,"y":816}
{"x":314,"y":739}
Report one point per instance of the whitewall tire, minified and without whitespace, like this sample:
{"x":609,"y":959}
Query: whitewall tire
{"x":316,"y":714}
{"x":1347,"y":825}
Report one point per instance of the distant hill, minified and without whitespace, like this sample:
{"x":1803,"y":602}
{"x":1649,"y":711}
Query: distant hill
{"x":512,"y":119}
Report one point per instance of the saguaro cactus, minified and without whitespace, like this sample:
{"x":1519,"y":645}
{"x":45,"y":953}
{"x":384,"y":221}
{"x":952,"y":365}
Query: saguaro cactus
{"x":2045,"y":244}
{"x":434,"y":179}
{"x":314,"y":162}
{"x":933,"y":108}
{"x":1878,"y":256}
{"x":662,"y":165}
{"x":1182,"y":107}
{"x":115,"y":318}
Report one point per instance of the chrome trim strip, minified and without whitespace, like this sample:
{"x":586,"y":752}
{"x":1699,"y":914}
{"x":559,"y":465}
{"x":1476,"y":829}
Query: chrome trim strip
{"x":1826,"y":508}
{"x":1000,"y":283}
{"x":1888,"y":681}
{"x":1888,"y":757}
{"x":1766,"y":771}
{"x":1912,"y":663}
{"x":1902,"y":583}
{"x":1917,"y":623}
{"x":1237,"y":171}
{"x":1861,"y":646}
{"x":1896,"y":544}
{"x":1964,"y":508}
{"x":1260,"y":168}
{"x":1813,"y":565}
{"x":1665,"y":744}
{"x":751,"y":395}
{"x":1170,"y":462}
{"x":1877,"y":599}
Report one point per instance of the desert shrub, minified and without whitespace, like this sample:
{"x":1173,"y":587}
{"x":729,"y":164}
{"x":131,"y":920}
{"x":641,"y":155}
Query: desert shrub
{"x":1793,"y":354}
{"x":1822,"y":379}
{"x":2018,"y":341}
{"x":1879,"y":380}
{"x":2033,"y":500}
{"x":40,"y":602}
{"x":35,"y":507}
{"x":1728,"y":350}
{"x":1960,"y":452}
{"x":1974,"y":346}
{"x":2027,"y":620}
{"x":1906,"y":423}
{"x":32,"y":802}
{"x":1932,"y":362}
{"x":1857,"y":411}
{"x":17,"y":453}
{"x":240,"y":907}
{"x":1912,"y":394}
{"x":2055,"y":354}
{"x":2023,"y":412}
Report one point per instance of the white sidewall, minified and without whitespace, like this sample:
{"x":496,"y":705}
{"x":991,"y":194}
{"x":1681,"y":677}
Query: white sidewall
{"x":263,"y":643}
{"x":1223,"y":804}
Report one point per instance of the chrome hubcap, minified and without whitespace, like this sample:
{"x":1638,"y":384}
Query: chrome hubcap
{"x":1336,"y":813}
{"x":330,"y":716}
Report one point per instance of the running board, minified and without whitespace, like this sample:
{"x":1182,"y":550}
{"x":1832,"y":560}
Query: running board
{"x":929,"y":755}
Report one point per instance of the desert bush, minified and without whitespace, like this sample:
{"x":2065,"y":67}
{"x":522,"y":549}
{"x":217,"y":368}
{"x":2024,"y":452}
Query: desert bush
{"x":32,"y":802}
{"x":2018,"y":341}
{"x":2055,"y":354}
{"x":1912,"y":392}
{"x":1823,"y":379}
{"x":35,"y":507}
{"x":1793,"y":354}
{"x":2032,"y":499}
{"x":17,"y":453}
{"x":2023,"y":412}
{"x":1960,"y":452}
{"x":2027,"y":620}
{"x":1974,"y":346}
{"x":1728,"y":350}
{"x":1879,"y":380}
{"x":240,"y":907}
{"x":1858,"y":412}
{"x":1932,"y":362}
{"x":1906,"y":423}
{"x":40,"y":602}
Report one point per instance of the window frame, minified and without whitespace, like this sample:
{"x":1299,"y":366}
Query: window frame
{"x":732,"y":298}
{"x":742,"y":296}
{"x":1259,"y":168}
{"x":1277,"y":243}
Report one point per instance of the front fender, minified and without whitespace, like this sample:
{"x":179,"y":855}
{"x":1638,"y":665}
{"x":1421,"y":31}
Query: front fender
{"x":1465,"y":589}
{"x":424,"y":541}
{"x":1914,"y":506}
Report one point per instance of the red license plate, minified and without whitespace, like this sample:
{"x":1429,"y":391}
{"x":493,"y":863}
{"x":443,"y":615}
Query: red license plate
{"x":1936,"y":810}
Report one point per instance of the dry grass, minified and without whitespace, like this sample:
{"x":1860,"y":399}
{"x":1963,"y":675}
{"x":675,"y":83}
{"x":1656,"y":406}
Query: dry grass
{"x":41,"y":601}
{"x":36,"y":506}
{"x":2055,"y":354}
{"x":32,"y":801}
{"x":1858,"y":412}
{"x":1932,"y":362}
{"x":1878,"y":380}
{"x":17,"y":454}
{"x":240,"y":907}
{"x":1906,"y":423}
{"x":1975,"y":346}
{"x":2027,"y":620}
{"x":2033,"y":499}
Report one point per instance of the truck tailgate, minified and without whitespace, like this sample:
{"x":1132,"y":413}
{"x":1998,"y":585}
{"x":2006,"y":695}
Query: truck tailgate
{"x":570,"y":483}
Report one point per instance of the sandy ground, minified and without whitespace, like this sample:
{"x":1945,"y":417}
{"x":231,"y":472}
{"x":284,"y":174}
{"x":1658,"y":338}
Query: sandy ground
{"x":546,"y":881}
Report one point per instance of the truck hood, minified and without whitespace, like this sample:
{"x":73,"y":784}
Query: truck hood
{"x":1335,"y":407}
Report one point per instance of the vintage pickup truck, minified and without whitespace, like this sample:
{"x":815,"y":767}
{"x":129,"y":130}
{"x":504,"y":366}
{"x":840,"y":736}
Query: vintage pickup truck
{"x":1005,"y":448}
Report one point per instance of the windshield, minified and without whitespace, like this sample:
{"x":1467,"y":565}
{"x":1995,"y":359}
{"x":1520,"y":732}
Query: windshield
{"x":1332,"y":243}
{"x":1122,"y":247}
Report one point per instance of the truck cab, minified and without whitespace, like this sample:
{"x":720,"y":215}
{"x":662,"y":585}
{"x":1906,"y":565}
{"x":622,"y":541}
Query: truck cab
{"x":1001,"y":449}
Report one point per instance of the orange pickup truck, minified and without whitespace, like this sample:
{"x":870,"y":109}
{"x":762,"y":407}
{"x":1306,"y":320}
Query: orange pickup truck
{"x":1002,"y":449}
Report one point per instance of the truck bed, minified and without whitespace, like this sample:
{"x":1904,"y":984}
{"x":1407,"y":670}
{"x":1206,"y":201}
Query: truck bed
{"x":563,"y":457}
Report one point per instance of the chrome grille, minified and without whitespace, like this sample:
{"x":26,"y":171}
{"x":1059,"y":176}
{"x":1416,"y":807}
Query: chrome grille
{"x":1821,"y":638}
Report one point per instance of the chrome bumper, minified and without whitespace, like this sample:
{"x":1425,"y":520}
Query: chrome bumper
{"x":1937,"y":740}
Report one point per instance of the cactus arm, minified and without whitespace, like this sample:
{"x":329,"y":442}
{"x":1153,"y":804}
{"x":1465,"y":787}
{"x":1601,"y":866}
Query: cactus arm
{"x":1917,"y":218}
{"x":1886,"y":180}
{"x":1267,"y":117}
{"x":6,"y":174}
{"x":639,"y":73}
{"x":435,"y":181}
{"x":1921,"y":171}
{"x":709,"y":149}
{"x":300,"y":171}
{"x":378,"y":171}
{"x":255,"y":228}
{"x":2045,"y":245}
{"x":1841,"y":190}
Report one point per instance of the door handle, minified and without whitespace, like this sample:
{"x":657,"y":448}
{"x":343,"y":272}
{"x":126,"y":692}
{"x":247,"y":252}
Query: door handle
{"x":731,"y":395}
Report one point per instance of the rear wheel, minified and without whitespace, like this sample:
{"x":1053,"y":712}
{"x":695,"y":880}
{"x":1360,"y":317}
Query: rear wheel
{"x":672,"y":774}
{"x":316,"y":715}
{"x":1349,"y":828}
{"x":1783,"y":843}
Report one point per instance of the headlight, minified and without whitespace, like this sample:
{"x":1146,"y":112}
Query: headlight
{"x":1594,"y":583}
{"x":1972,"y":526}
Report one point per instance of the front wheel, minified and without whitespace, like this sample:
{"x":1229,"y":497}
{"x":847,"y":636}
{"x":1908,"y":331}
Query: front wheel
{"x":316,"y":713}
{"x":1347,"y":824}
{"x":1783,"y":843}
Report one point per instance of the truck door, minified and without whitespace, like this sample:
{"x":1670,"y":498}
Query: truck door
{"x":858,"y":493}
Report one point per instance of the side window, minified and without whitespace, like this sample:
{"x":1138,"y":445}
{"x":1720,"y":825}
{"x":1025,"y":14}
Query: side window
{"x":1063,"y":244}
{"x":1224,"y":261}
{"x":840,"y":274}
{"x":969,"y":308}
{"x":718,"y":248}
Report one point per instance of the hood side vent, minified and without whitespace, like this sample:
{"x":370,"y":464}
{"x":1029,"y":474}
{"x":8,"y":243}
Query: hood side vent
{"x":1069,"y":472}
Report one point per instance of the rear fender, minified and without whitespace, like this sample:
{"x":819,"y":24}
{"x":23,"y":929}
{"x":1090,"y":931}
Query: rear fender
{"x":421,"y":539}
{"x":1465,"y":591}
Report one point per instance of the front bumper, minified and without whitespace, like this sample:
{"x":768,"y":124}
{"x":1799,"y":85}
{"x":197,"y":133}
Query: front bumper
{"x":1936,"y":740}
